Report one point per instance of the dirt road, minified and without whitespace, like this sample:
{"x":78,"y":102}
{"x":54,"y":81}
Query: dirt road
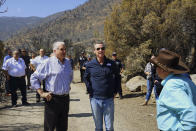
{"x":129,"y":115}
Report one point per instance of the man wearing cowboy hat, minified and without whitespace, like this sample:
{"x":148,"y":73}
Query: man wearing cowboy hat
{"x":176,"y":106}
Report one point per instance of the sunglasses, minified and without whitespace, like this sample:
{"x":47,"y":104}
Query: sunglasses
{"x":102,"y":48}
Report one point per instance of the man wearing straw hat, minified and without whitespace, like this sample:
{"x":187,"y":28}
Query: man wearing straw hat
{"x":176,"y":106}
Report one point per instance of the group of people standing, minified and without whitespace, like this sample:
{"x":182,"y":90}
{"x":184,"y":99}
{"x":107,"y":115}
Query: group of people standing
{"x":176,"y":104}
{"x":17,"y":66}
{"x":101,"y":78}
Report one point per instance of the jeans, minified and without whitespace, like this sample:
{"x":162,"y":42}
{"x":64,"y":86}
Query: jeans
{"x":103,"y":109}
{"x":150,"y":85}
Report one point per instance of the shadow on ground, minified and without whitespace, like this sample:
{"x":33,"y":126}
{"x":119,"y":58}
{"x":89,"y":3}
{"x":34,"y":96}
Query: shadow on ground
{"x":132,"y":95}
{"x":81,"y":115}
{"x":21,"y":127}
{"x":74,"y":99}
{"x":20,"y":105}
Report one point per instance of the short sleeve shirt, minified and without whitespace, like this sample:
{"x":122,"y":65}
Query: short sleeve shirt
{"x":15,"y":68}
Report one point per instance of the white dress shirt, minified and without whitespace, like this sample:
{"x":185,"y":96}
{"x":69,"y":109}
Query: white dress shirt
{"x":32,"y":61}
{"x":15,"y":68}
{"x":39,"y":60}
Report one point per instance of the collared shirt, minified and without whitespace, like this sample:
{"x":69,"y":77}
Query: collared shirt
{"x":39,"y":60}
{"x":15,"y":68}
{"x":6,"y":58}
{"x":32,"y":61}
{"x":101,"y":80}
{"x":150,"y":68}
{"x":57,"y":76}
{"x":176,"y":106}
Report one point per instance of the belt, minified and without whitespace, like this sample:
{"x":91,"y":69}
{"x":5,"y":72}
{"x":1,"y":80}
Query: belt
{"x":17,"y":77}
{"x":64,"y":95}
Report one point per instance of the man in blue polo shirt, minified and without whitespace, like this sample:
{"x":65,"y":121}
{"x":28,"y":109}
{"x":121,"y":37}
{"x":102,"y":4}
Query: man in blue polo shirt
{"x":101,"y":82}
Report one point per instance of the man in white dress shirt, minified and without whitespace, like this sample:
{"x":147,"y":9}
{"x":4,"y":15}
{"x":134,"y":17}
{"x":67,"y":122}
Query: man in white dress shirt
{"x":15,"y":71}
{"x":39,"y":60}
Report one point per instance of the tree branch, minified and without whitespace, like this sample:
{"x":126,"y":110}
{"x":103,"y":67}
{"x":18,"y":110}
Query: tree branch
{"x":1,"y":3}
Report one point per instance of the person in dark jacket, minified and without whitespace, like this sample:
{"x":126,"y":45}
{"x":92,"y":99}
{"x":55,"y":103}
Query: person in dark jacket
{"x":100,"y":79}
{"x":84,"y":66}
{"x":119,"y":70}
{"x":81,"y":61}
{"x":26,"y":59}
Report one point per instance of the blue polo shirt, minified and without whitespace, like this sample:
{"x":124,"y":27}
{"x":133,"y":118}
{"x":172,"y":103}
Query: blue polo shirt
{"x":101,"y":80}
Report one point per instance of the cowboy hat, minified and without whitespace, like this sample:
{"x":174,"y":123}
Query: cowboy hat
{"x":170,"y":62}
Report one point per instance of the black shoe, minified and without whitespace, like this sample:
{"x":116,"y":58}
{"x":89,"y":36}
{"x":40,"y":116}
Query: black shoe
{"x":26,"y":104}
{"x":14,"y":105}
{"x":120,"y":97}
{"x":37,"y":100}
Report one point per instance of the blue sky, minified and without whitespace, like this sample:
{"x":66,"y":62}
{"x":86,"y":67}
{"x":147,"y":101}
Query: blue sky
{"x":41,"y":8}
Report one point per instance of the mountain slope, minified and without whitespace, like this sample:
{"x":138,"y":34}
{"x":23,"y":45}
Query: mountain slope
{"x":11,"y":25}
{"x":80,"y":24}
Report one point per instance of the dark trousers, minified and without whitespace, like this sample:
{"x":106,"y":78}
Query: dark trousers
{"x":7,"y":87}
{"x":159,"y":88}
{"x":37,"y":94}
{"x":82,"y":75}
{"x":15,"y":83}
{"x":56,"y":114}
{"x":119,"y":85}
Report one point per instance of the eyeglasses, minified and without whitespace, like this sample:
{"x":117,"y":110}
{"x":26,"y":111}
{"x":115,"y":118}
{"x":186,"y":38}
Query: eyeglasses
{"x":102,"y":48}
{"x":62,"y":49}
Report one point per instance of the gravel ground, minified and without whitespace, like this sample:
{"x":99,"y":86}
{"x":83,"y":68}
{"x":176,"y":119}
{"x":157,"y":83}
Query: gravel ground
{"x":129,"y":115}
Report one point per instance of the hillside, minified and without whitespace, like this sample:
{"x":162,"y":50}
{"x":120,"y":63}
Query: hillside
{"x":80,"y":24}
{"x":11,"y":25}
